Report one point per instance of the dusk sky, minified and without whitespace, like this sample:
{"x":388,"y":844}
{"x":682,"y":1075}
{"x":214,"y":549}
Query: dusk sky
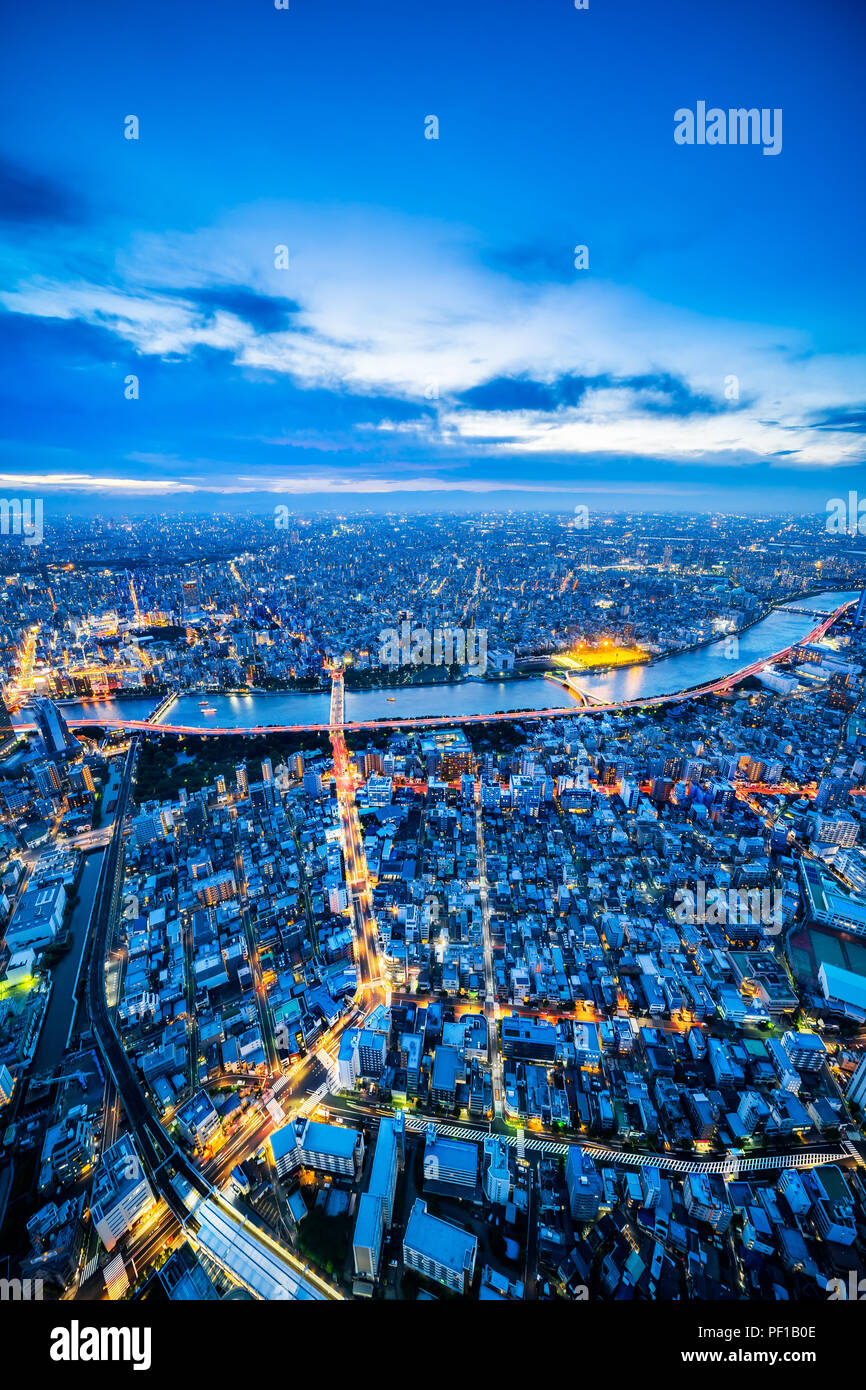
{"x":431,"y":342}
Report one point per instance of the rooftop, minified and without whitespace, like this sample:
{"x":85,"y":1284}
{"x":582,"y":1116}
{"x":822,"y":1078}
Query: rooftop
{"x":439,"y":1240}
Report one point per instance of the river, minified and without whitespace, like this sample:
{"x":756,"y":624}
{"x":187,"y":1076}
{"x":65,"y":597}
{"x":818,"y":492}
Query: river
{"x":685,"y":670}
{"x":681,"y":671}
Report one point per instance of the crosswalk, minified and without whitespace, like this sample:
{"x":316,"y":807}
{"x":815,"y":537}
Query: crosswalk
{"x":766,"y":1163}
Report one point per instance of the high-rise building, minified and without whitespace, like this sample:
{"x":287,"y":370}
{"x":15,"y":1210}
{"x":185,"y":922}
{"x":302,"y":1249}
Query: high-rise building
{"x":383,"y":1176}
{"x":447,"y":754}
{"x":219,"y":888}
{"x":146,"y":830}
{"x":833,"y":793}
{"x":311,"y":1144}
{"x":497,"y":1174}
{"x":46,"y":778}
{"x":856,"y":1093}
{"x":7,"y":1085}
{"x":58,"y":741}
{"x":806,"y":1050}
{"x":379,"y":790}
{"x":190,"y":594}
{"x":651,"y":1186}
{"x":267,"y":770}
{"x":241,"y":783}
{"x":121,"y":1193}
{"x":453,"y":1162}
{"x":81,"y":779}
{"x":446,"y":1073}
{"x":313,"y":785}
{"x":528,"y":1040}
{"x":839,"y":829}
{"x":706,"y":1199}
{"x":376,"y":1207}
{"x":7,"y":730}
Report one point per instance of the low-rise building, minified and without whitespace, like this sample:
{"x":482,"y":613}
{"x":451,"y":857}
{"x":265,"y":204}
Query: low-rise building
{"x":311,"y":1144}
{"x":439,"y":1249}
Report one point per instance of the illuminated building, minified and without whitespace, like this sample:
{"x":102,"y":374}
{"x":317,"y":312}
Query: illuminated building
{"x":447,"y":1071}
{"x":310,"y":1144}
{"x":451,"y":1162}
{"x":198,"y":1119}
{"x":528,"y":1040}
{"x":38,"y":917}
{"x":447,"y":753}
{"x":856,"y":1094}
{"x":805,"y":1050}
{"x":706,"y":1200}
{"x":497,"y":1173}
{"x":367,"y":1237}
{"x":121,"y":1193}
{"x":58,"y":741}
{"x":7,"y":730}
{"x":585,"y":1187}
{"x":7,"y":1085}
{"x":219,"y":888}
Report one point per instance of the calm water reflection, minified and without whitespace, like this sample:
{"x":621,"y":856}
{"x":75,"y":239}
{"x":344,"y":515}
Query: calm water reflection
{"x":772,"y":634}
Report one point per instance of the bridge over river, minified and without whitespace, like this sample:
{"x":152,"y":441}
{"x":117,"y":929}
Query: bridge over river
{"x":714,"y":669}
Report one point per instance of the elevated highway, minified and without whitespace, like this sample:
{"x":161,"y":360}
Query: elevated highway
{"x":196,"y":1205}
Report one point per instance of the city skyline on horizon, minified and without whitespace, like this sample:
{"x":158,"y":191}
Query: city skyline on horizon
{"x":201,"y":505}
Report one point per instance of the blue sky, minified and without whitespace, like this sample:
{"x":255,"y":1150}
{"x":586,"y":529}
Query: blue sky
{"x":431,"y":342}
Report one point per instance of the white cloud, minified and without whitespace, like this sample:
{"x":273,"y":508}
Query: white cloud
{"x":724,"y":439}
{"x":96,"y":483}
{"x":405,"y":308}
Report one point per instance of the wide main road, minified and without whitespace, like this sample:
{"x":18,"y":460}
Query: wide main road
{"x":577,"y":710}
{"x":364,"y":923}
{"x":491,"y":1008}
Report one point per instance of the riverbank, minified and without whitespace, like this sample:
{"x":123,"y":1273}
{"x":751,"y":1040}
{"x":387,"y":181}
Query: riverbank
{"x":779,"y":606}
{"x":248,"y":714}
{"x":425,"y":678}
